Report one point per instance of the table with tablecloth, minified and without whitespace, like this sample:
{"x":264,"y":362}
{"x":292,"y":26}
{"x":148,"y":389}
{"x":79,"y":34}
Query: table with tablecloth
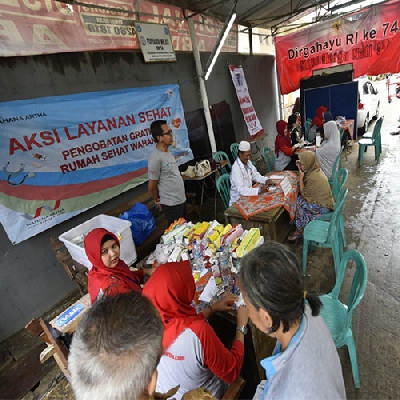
{"x":252,"y":205}
{"x":271,"y":212}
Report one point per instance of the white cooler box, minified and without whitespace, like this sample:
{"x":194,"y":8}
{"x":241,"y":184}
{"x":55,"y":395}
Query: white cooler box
{"x":73,"y":239}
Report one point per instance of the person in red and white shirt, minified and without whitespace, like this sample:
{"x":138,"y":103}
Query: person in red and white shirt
{"x":193,"y":355}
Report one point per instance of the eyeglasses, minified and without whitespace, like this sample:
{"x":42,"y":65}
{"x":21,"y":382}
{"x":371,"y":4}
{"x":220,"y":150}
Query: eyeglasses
{"x":169,"y":132}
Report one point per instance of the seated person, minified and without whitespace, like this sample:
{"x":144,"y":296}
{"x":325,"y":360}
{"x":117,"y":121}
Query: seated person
{"x":285,"y":159}
{"x":330,"y":147}
{"x":109,"y":274}
{"x":305,"y":363}
{"x":316,"y":124}
{"x":296,"y":136}
{"x":116,"y":348}
{"x":244,"y":173}
{"x":315,"y":197}
{"x":193,"y":356}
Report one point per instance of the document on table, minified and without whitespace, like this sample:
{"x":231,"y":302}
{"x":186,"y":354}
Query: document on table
{"x":209,"y":290}
{"x":276,"y":177}
{"x":286,"y":186}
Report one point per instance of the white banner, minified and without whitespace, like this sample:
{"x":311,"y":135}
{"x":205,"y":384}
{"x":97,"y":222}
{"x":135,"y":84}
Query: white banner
{"x":64,"y":154}
{"x":239,"y":81}
{"x":155,"y":42}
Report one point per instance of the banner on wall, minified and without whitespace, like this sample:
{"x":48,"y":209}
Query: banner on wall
{"x":249,"y":113}
{"x":368,"y":39}
{"x":50,"y":26}
{"x":155,"y":42}
{"x":63,"y":155}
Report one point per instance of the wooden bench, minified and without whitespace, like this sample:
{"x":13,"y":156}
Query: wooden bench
{"x":78,"y":272}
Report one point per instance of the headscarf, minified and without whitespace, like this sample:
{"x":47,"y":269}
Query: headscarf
{"x":281,"y":140}
{"x":171,"y":289}
{"x":316,"y":186}
{"x":317,"y":120}
{"x":99,"y":272}
{"x":327,"y":116}
{"x":327,"y":154}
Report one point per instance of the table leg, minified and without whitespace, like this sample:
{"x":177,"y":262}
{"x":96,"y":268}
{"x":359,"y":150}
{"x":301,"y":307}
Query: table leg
{"x":202,"y":195}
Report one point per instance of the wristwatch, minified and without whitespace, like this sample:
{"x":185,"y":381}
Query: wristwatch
{"x":244,"y":329}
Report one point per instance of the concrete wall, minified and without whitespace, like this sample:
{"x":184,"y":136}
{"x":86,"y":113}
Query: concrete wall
{"x":31,"y":279}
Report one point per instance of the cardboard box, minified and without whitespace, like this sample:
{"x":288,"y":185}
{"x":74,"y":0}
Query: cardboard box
{"x":120,"y":227}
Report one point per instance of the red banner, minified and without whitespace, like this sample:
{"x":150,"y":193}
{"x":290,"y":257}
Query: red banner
{"x":369,"y":39}
{"x":207,"y":28}
{"x":49,"y":26}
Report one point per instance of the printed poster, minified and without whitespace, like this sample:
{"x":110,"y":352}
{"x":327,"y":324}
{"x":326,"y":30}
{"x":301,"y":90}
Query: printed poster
{"x":62,"y":155}
{"x":249,"y":113}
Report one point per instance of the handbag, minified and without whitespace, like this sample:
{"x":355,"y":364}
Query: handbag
{"x":203,"y":168}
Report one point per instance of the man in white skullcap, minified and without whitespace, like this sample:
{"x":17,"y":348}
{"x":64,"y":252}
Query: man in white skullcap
{"x":244,"y":174}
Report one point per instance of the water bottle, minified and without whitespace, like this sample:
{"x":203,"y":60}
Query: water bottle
{"x":216,"y":273}
{"x":197,"y":262}
{"x":225,"y":265}
{"x":318,"y":139}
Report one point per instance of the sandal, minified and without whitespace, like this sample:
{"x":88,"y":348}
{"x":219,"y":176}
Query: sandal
{"x":294,"y":237}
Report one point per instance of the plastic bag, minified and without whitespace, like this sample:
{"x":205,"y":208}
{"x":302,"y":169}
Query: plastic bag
{"x":143,"y":222}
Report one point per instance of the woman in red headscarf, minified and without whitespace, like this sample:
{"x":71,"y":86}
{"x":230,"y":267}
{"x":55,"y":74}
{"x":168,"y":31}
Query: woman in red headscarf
{"x":318,"y":120}
{"x":193,"y":356}
{"x":284,"y":157}
{"x":109,"y":274}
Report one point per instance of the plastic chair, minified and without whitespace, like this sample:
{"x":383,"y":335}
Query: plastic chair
{"x":234,"y":389}
{"x":307,"y":126}
{"x":325,"y":234}
{"x":340,"y":180}
{"x":269,"y":157}
{"x":339,"y":316}
{"x":336,"y":166}
{"x":337,"y":194}
{"x":368,"y":135}
{"x":234,"y":150}
{"x":373,"y":140}
{"x":224,"y":188}
{"x":222,"y":156}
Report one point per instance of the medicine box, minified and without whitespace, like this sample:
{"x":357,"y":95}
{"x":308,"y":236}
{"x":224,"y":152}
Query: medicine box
{"x":73,"y":239}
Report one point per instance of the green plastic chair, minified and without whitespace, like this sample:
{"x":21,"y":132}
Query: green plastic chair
{"x":336,"y":166}
{"x":222,"y":156}
{"x":368,"y":135}
{"x":269,"y":157}
{"x":224,"y":189}
{"x":234,"y":150}
{"x":337,"y":194}
{"x":373,"y":140}
{"x":325,"y":234}
{"x":340,"y":180}
{"x":339,"y":316}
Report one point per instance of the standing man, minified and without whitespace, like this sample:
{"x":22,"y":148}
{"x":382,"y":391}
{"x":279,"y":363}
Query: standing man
{"x":165,"y":181}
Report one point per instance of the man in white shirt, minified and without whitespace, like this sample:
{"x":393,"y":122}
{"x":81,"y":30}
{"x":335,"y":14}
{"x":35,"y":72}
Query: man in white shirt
{"x":244,"y":173}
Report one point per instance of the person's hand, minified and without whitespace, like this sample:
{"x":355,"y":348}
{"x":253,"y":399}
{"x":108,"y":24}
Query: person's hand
{"x":263,"y":188}
{"x":158,"y":205}
{"x":148,"y":271}
{"x":242,"y":316}
{"x":225,"y":303}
